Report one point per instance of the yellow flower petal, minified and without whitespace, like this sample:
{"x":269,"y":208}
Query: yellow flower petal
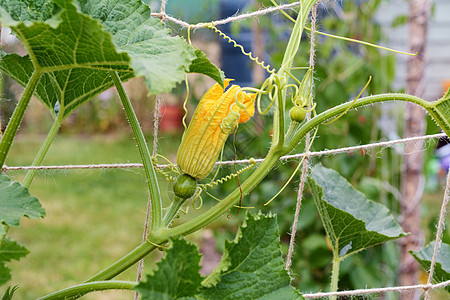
{"x":204,"y":139}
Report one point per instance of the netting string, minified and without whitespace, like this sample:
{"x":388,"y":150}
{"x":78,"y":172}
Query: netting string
{"x":240,"y":162}
{"x":304,"y":172}
{"x":229,"y":19}
{"x":378,"y":290}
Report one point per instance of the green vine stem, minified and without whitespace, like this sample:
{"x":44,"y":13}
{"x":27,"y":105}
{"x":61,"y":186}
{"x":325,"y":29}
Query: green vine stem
{"x":294,"y":41}
{"x":125,"y":262}
{"x":177,"y":203}
{"x":16,"y":118}
{"x":335,"y":273}
{"x":289,"y":54}
{"x":155,"y":196}
{"x":227,"y":203}
{"x":337,"y":110}
{"x":84,"y":288}
{"x":43,"y":150}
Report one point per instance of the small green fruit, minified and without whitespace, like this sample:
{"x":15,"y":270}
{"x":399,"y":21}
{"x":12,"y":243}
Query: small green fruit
{"x":297,"y":114}
{"x":185,"y":186}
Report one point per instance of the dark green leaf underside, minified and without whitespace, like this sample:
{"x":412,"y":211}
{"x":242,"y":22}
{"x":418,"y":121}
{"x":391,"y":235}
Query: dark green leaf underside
{"x":251,"y":268}
{"x":76,"y":50}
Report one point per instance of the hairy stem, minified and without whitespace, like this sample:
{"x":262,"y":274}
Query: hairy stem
{"x":173,"y":210}
{"x":335,"y":273}
{"x":85,"y":288}
{"x":43,"y":150}
{"x":227,"y":203}
{"x":337,"y":110}
{"x":16,"y":118}
{"x":155,"y":196}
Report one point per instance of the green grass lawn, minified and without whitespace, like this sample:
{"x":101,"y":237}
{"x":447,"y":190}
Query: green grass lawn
{"x":93,"y":216}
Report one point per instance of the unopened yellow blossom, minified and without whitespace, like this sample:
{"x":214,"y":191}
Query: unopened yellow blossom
{"x":210,"y":126}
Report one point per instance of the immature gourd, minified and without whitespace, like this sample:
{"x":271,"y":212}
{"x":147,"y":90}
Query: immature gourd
{"x":297,"y":114}
{"x":185,"y":186}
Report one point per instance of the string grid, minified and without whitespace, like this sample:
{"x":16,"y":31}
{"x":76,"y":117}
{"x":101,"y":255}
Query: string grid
{"x":165,"y":17}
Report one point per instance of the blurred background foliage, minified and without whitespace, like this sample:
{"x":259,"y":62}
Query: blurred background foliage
{"x":99,"y":133}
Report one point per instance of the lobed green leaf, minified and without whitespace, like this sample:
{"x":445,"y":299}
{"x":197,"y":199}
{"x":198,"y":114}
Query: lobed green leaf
{"x":15,"y":203}
{"x":252,"y":266}
{"x":28,"y":10}
{"x":5,"y":274}
{"x":177,"y":275}
{"x":9,"y":250}
{"x":75,"y":50}
{"x":352,"y":222}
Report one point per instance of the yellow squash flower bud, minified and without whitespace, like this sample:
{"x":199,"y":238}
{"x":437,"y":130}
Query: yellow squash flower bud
{"x":216,"y":116}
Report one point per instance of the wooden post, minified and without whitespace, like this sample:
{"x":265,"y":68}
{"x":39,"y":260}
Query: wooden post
{"x":414,"y":125}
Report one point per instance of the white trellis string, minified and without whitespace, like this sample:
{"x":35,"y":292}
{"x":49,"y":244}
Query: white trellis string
{"x":304,"y":171}
{"x":229,"y":19}
{"x":439,"y":232}
{"x":378,"y":290}
{"x":240,"y":162}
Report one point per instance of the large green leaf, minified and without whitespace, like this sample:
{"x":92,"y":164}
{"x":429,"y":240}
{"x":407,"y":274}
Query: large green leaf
{"x":252,"y":266}
{"x":442,"y":267}
{"x":9,"y":250}
{"x":15,"y":203}
{"x":177,"y":275}
{"x":28,"y":9}
{"x":70,"y":49}
{"x":76,"y":50}
{"x":352,"y":222}
{"x":162,"y":59}
{"x":68,"y":88}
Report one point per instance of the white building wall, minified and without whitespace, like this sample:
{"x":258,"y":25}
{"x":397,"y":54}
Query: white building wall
{"x":438,"y":68}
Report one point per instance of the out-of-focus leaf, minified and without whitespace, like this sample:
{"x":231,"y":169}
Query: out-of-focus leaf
{"x":9,"y":250}
{"x":15,"y":203}
{"x":442,"y":267}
